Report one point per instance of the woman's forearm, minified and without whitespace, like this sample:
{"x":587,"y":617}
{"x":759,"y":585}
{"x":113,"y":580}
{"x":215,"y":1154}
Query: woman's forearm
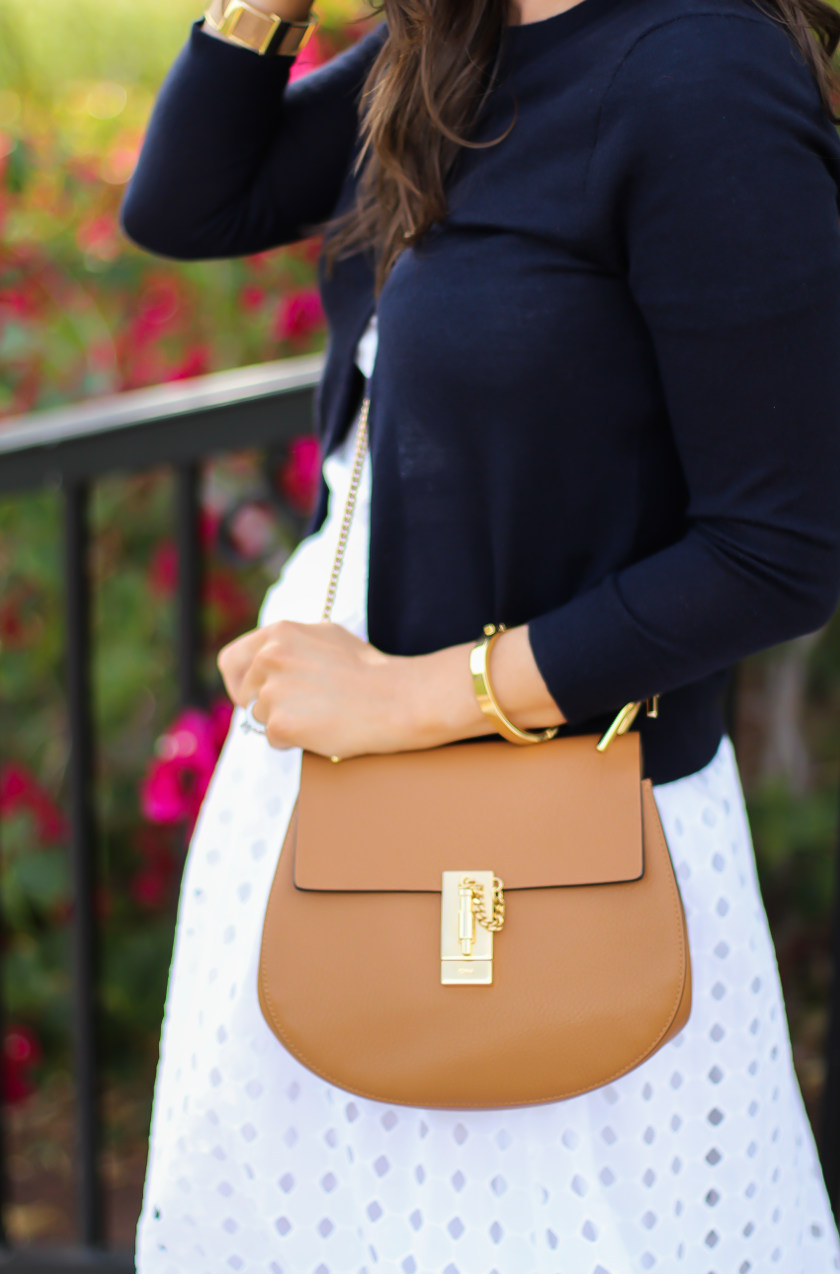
{"x":445,"y":707}
{"x":235,"y":161}
{"x":319,"y":687}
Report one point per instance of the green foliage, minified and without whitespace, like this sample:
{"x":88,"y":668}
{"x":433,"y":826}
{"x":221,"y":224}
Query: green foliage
{"x":42,"y":41}
{"x":82,"y":311}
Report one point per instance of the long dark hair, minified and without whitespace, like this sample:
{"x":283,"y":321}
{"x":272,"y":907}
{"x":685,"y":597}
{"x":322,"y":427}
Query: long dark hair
{"x":425,"y":90}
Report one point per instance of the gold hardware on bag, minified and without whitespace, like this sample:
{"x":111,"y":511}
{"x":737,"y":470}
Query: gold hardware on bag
{"x":621,"y":725}
{"x":467,"y":928}
{"x":466,"y":918}
{"x":625,"y":719}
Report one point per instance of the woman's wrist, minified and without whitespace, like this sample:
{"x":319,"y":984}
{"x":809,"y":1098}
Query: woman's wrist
{"x":441,"y":702}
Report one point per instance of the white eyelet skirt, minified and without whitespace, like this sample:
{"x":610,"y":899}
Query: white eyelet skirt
{"x":700,"y":1161}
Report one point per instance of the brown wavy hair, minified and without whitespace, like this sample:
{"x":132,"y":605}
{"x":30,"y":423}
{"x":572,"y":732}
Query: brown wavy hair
{"x":424,"y":93}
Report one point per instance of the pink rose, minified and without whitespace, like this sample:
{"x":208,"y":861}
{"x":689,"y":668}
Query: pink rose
{"x":299,"y":477}
{"x":21,"y":791}
{"x":21,"y":1052}
{"x":298,"y":316}
{"x":177,"y":780}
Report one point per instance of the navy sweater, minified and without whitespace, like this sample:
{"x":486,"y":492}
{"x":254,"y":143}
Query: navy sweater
{"x":607,"y":395}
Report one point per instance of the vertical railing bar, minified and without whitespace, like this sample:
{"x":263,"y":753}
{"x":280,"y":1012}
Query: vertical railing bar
{"x":188,"y":532}
{"x":79,"y":702}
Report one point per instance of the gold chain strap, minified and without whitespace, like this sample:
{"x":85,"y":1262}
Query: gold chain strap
{"x":349,"y":508}
{"x":495,"y":922}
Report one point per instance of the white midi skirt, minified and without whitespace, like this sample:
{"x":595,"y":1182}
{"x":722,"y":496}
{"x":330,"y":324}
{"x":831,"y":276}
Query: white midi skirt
{"x":701,"y":1161}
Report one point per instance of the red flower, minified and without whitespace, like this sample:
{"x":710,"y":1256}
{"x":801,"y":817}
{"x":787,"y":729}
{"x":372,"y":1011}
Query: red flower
{"x":21,"y":1052}
{"x":314,"y":53}
{"x":163,"y":569}
{"x":220,"y":717}
{"x":98,"y":236}
{"x":151,"y":887}
{"x":12,"y":627}
{"x":16,"y":302}
{"x":231,"y":608}
{"x":177,"y":780}
{"x":299,"y":477}
{"x":196,"y":362}
{"x":20,"y":622}
{"x":21,"y":791}
{"x":259,"y":261}
{"x":160,"y":305}
{"x":252,"y":297}
{"x":310,"y":249}
{"x":208,"y":528}
{"x":298,"y":316}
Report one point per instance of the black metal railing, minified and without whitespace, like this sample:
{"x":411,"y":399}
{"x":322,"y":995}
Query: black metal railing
{"x":68,"y":449}
{"x":180,"y":425}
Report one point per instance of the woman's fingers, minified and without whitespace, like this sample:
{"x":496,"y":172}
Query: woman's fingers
{"x":235,"y":660}
{"x":266,"y":664}
{"x":319,"y":687}
{"x":262,"y":656}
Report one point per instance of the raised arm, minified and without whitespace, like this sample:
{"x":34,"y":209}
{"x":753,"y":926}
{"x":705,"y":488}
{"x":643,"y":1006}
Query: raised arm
{"x":236,"y":160}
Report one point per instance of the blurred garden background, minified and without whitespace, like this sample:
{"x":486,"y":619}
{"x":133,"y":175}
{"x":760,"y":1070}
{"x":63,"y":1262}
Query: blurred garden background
{"x":83,"y":313}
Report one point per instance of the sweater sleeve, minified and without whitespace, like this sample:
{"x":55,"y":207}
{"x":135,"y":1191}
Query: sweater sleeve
{"x":713,"y":190}
{"x":235,"y":159}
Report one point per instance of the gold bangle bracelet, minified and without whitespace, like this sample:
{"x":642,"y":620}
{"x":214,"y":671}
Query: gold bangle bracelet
{"x":252,"y":28}
{"x":487,"y":701}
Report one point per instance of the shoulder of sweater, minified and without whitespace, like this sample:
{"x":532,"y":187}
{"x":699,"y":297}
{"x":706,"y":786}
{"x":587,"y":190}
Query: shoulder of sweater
{"x":681,"y":68}
{"x":691,"y":40}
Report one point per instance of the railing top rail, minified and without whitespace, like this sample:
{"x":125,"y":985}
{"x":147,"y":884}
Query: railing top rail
{"x":178,"y":421}
{"x":140,"y":406}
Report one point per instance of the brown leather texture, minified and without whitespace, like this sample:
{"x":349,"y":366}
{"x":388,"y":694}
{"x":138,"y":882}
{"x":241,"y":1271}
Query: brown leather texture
{"x":589,"y":980}
{"x":560,"y":813}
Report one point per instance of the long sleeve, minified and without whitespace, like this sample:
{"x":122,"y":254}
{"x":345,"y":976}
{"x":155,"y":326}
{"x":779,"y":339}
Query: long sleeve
{"x":236,"y":160}
{"x":715,"y":176}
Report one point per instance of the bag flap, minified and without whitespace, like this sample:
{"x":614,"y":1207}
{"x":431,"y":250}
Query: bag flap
{"x":558,"y":813}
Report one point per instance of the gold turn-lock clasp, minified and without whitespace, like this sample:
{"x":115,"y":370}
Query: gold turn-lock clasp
{"x":625,"y":719}
{"x":472,"y":910}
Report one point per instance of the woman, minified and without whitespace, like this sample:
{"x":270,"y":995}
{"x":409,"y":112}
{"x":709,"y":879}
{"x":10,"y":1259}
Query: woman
{"x":601,"y":243}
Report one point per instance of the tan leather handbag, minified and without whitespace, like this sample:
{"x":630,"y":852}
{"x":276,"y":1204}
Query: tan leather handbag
{"x":476,"y":925}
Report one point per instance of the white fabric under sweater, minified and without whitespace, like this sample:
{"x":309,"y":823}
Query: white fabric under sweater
{"x":700,"y":1161}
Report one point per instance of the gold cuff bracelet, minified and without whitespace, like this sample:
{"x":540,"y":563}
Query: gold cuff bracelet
{"x":265,"y":33}
{"x":487,"y":701}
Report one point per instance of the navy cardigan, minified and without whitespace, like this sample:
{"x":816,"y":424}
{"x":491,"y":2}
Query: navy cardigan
{"x":607,"y":395}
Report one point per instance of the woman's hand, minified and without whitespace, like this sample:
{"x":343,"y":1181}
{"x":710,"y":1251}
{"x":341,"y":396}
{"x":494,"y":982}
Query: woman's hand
{"x":318,"y":687}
